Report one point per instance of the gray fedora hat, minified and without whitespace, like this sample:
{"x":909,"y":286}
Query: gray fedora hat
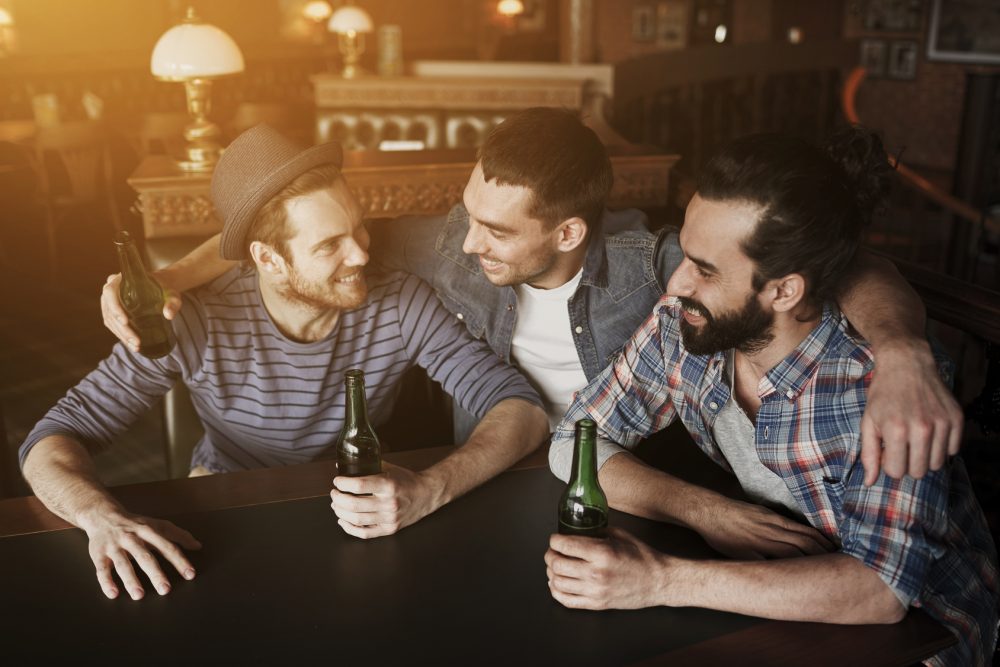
{"x":257,"y":165}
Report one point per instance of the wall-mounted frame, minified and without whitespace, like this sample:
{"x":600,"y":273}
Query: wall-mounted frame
{"x":671,"y":24}
{"x":894,"y":15}
{"x":873,"y":56}
{"x":902,"y":61}
{"x":965,"y":31}
{"x":643,"y":23}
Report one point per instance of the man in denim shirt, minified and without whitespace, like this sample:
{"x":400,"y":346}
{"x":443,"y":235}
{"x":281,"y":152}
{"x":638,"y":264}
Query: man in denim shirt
{"x":526,"y":264}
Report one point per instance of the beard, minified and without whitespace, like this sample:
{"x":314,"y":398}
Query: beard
{"x":324,"y":295}
{"x":748,"y":330}
{"x":523,"y":273}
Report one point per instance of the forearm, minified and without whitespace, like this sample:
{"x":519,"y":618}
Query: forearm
{"x":882,"y":306}
{"x":641,"y":490}
{"x":62,"y":475}
{"x":832,"y":588}
{"x":511,"y":430}
{"x":196,"y":268}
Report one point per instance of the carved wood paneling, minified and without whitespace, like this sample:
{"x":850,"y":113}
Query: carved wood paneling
{"x":174,"y":203}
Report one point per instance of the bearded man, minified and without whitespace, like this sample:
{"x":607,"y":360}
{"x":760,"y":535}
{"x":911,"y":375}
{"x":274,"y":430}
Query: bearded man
{"x":263,"y":350}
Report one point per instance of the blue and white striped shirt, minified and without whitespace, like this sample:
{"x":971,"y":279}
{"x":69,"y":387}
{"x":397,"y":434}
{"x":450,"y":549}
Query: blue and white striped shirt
{"x":266,"y":400}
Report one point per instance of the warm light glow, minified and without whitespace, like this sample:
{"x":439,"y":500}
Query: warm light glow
{"x":5,"y":18}
{"x":317,"y":11}
{"x":720,"y":33}
{"x":510,"y":7}
{"x":795,"y":35}
{"x":195,"y":50}
{"x":350,"y":19}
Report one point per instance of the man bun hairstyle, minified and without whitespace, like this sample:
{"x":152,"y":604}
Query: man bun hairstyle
{"x":553,"y":154}
{"x":814,"y":202}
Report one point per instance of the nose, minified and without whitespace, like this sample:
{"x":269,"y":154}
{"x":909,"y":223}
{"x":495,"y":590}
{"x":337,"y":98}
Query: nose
{"x":681,"y":282}
{"x":473,"y":244}
{"x":357,"y":252}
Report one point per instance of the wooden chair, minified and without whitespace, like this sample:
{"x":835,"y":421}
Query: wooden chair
{"x":75,"y":173}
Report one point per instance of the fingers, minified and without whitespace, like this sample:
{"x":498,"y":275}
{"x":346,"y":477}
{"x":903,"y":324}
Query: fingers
{"x":871,"y":450}
{"x":171,"y":552}
{"x":572,"y":601}
{"x":104,"y":578}
{"x":921,"y":444}
{"x":574,"y":546}
{"x":123,"y":566}
{"x":370,"y":484}
{"x":171,"y":304}
{"x":367,"y":532}
{"x":115,"y":317}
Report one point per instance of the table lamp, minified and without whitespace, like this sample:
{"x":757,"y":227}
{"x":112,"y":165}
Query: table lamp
{"x":350,"y":23}
{"x":196,"y":52}
{"x":317,"y":13}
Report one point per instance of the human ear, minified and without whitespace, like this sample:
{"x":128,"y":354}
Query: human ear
{"x":571,"y":233}
{"x":267,"y":258}
{"x":787,"y":292}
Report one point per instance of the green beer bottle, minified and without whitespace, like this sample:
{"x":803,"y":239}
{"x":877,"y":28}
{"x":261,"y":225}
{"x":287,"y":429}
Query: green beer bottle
{"x":583,"y":508}
{"x":358,"y":450}
{"x":142,"y":298}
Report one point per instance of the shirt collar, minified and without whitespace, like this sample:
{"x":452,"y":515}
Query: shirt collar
{"x":790,"y":376}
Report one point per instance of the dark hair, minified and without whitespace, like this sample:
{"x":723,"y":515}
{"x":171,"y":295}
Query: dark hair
{"x":814,"y":203}
{"x":561,"y":160}
{"x":270,"y":225}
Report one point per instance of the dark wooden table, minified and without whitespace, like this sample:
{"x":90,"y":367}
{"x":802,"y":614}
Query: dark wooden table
{"x":279,"y":582}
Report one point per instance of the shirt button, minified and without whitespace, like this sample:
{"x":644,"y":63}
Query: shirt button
{"x":460,"y":316}
{"x":578,"y":330}
{"x":790,"y":394}
{"x":767,"y":431}
{"x":714,"y":406}
{"x":510,"y":307}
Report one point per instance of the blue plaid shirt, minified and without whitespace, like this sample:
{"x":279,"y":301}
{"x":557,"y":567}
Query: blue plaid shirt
{"x":927,"y":539}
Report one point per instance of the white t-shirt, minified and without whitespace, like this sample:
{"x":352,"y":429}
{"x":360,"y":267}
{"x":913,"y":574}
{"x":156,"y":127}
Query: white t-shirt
{"x":543,"y":347}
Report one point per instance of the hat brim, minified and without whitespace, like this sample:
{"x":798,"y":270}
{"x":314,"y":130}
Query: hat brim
{"x":232,"y":244}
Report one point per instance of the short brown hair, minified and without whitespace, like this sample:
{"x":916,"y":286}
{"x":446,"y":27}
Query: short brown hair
{"x":553,"y":154}
{"x":270,"y":225}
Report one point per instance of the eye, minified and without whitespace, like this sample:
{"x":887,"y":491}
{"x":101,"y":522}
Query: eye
{"x":499,"y":236}
{"x":702,"y":273}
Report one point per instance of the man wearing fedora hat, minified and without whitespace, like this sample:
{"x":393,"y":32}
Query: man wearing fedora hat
{"x":263,"y":350}
{"x":533,"y":263}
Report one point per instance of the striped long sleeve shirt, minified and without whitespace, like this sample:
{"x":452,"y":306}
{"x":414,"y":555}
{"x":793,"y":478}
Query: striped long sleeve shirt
{"x":926,"y":538}
{"x":266,"y":400}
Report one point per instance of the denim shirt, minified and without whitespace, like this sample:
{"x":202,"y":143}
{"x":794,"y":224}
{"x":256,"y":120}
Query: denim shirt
{"x":623,"y":278}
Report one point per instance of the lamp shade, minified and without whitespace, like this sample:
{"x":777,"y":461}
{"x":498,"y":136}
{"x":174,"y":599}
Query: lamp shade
{"x":5,"y":18}
{"x":350,"y":19}
{"x":317,"y":10}
{"x":195,"y":50}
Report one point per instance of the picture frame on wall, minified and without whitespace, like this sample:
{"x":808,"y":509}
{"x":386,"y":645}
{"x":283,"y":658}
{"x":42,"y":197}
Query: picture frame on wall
{"x":873,"y":57}
{"x":902,"y":60}
{"x":643,"y":23}
{"x":671,"y":24}
{"x":964,"y":31}
{"x":894,"y":15}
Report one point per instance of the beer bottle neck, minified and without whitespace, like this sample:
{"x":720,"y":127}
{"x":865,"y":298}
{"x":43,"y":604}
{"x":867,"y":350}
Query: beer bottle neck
{"x":128,"y":257}
{"x":357,"y":407}
{"x":585,"y":458}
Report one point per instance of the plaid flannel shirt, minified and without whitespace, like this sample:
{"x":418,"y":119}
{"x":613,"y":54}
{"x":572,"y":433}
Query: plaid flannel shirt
{"x":927,"y":539}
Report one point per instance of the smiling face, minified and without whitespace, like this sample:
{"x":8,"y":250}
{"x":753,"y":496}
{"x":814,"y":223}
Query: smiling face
{"x":513,"y":247}
{"x":328,"y":249}
{"x":721,"y":310}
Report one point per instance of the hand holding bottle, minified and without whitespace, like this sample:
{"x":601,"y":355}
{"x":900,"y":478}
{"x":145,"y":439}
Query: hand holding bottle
{"x":116,"y":318}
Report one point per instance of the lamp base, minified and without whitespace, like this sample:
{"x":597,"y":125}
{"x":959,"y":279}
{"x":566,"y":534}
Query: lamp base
{"x":202,"y":135}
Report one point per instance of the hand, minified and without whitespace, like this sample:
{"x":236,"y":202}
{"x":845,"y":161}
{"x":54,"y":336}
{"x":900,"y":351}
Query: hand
{"x":115,"y":317}
{"x":619,"y":572}
{"x":398,"y":497}
{"x":747,"y":531}
{"x":120,"y":539}
{"x":912,"y":421}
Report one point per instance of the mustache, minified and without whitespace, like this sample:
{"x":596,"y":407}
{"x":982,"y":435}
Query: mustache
{"x":692,"y":304}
